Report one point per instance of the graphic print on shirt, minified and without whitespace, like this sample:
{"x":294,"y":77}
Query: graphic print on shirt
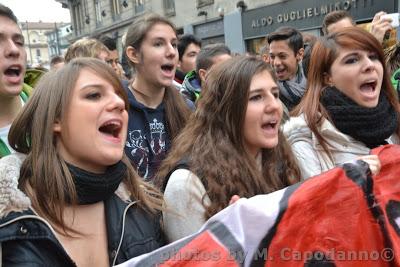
{"x":145,"y":150}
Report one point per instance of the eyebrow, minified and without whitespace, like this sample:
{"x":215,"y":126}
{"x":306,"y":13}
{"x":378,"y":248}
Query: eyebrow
{"x":351,"y":54}
{"x":18,"y":35}
{"x":158,"y":38}
{"x":13,"y":36}
{"x":279,"y":53}
{"x":259,"y":90}
{"x":98,"y":86}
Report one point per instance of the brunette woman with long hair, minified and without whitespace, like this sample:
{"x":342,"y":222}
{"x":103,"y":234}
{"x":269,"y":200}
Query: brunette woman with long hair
{"x":350,"y":106}
{"x":157,"y":111}
{"x":232,"y":145}
{"x":71,"y":196}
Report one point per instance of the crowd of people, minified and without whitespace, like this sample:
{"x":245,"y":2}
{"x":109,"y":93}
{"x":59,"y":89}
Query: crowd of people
{"x":99,"y":165}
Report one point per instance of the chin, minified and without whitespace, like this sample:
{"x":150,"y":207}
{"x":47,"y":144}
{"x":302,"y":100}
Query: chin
{"x":270,"y":144}
{"x":166,"y":84}
{"x":110,"y":159}
{"x":14,"y":90}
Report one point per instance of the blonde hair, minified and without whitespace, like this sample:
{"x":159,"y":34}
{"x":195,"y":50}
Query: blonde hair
{"x":85,"y":47}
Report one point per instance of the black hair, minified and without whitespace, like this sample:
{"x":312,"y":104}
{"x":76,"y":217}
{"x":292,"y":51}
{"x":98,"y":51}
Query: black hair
{"x":293,"y":37}
{"x":109,"y":42}
{"x":7,"y":12}
{"x":185,"y":41}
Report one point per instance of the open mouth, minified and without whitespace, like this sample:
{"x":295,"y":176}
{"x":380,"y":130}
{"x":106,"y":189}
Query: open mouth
{"x":280,"y":72}
{"x":111,"y":128}
{"x":271,"y":125}
{"x":167,"y":67}
{"x":368,"y":87}
{"x":13,"y":71}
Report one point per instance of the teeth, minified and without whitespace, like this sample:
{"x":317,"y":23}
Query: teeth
{"x":112,"y":123}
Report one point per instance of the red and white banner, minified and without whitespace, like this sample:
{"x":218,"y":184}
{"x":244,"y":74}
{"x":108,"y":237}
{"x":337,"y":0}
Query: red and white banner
{"x":343,"y":217}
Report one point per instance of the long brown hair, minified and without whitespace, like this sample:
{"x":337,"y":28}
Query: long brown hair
{"x":176,"y":109}
{"x":45,"y":177}
{"x":324,"y":53}
{"x":213,"y":140}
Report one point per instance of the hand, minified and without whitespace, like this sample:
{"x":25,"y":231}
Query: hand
{"x":379,"y":26}
{"x":234,"y":198}
{"x":373,"y":162}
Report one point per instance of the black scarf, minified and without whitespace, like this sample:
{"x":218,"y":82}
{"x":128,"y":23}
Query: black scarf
{"x":368,"y":125}
{"x":92,"y":187}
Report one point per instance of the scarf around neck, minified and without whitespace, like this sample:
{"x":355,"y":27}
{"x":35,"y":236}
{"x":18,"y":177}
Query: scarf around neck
{"x":292,"y":91}
{"x":93,"y":187}
{"x":372,"y":126}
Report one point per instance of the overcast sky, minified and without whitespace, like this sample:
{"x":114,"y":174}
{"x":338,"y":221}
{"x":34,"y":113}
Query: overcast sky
{"x":35,"y":10}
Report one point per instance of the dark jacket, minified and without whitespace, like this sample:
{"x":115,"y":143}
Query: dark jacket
{"x":29,"y":240}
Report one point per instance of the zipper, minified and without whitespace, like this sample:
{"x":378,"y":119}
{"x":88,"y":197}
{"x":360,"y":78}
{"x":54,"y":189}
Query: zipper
{"x":123,"y":230}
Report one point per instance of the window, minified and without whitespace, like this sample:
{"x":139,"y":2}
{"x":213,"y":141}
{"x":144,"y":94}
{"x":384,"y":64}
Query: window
{"x":97,"y":9}
{"x":77,"y":14}
{"x":169,"y":7}
{"x":37,"y":52}
{"x":139,"y":6}
{"x":201,"y":3}
{"x":116,"y":6}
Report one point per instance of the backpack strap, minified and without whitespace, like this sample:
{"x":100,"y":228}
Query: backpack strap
{"x":182,"y":164}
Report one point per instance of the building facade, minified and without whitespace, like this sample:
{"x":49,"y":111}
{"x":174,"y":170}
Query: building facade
{"x":241,"y":24}
{"x":307,"y":16}
{"x":57,"y":39}
{"x":36,"y":42}
{"x":204,"y":18}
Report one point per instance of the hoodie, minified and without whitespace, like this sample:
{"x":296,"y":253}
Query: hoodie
{"x":148,"y":139}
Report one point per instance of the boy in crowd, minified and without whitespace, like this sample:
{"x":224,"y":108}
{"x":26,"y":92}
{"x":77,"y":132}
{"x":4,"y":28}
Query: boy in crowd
{"x":113,"y":56}
{"x":285,"y":53}
{"x":208,"y":56}
{"x":188,"y":48}
{"x":56,"y":62}
{"x":339,"y":19}
{"x":87,"y":47}
{"x":12,"y":71}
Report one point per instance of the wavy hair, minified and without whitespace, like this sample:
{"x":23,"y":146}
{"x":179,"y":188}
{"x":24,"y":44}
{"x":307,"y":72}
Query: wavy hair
{"x":324,"y":53}
{"x":213,"y":140}
{"x":45,"y":177}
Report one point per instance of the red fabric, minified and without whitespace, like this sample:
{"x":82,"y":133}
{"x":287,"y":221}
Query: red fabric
{"x":387,"y":187}
{"x":329,"y":215}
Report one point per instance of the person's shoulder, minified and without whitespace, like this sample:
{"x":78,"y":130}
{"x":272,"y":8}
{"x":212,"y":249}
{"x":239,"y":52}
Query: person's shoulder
{"x":183,"y":179}
{"x":12,"y":198}
{"x":14,"y":159}
{"x":294,"y":125}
